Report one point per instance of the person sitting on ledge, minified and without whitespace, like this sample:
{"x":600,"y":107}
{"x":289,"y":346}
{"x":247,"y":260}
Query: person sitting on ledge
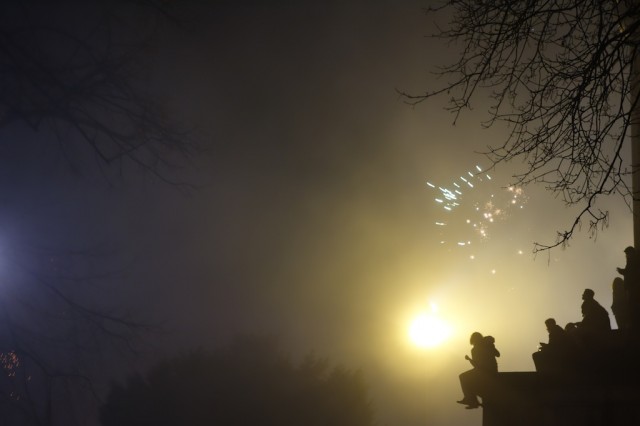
{"x":552,"y":357}
{"x":483,"y":359}
{"x":595,"y":318}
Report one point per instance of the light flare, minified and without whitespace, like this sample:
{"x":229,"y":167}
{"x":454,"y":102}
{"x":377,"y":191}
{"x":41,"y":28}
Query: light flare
{"x":428,"y":330}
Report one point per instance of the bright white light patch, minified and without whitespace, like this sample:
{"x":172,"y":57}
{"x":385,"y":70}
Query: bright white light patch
{"x":427,"y":331}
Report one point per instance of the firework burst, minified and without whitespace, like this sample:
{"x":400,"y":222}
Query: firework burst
{"x":472,"y":206}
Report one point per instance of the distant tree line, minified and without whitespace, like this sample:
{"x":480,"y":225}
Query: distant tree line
{"x":249,"y":382}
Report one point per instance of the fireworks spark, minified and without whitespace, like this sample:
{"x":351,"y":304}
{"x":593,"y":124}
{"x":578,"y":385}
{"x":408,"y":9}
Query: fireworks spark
{"x":473,"y":204}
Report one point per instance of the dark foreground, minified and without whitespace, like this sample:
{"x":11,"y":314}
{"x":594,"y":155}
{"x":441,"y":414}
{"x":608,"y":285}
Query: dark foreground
{"x":605,"y":391}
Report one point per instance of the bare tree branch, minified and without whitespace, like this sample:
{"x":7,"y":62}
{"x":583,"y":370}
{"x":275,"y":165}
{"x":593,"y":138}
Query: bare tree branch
{"x":558,"y":74}
{"x":84,"y":82}
{"x":75,"y":71}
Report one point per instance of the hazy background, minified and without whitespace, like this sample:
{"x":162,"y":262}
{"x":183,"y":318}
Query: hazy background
{"x":313,"y":220}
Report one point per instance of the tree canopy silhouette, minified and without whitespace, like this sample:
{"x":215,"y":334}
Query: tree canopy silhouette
{"x":248,"y":382}
{"x":73,"y":76}
{"x":561,"y":75}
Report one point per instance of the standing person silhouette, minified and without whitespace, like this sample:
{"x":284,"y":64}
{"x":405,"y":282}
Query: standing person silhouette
{"x":483,"y":359}
{"x":631,"y":274}
{"x":620,"y":303}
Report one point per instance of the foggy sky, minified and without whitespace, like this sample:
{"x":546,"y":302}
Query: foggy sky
{"x":313,"y":220}
{"x":317,"y":224}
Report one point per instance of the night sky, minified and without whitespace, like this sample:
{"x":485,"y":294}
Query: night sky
{"x":313,"y":218}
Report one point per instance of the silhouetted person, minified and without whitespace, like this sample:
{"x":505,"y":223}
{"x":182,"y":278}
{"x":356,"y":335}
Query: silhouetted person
{"x":554,"y":355}
{"x":595,"y":318}
{"x":584,"y":350}
{"x":574,"y":339}
{"x":620,"y":305}
{"x":573,"y":334}
{"x":595,"y":330}
{"x":483,"y":359}
{"x":492,"y":352}
{"x":631,"y":274}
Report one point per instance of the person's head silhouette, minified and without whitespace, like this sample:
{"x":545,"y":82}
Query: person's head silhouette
{"x":630,"y":252}
{"x":618,"y":284}
{"x":550,"y":323}
{"x":476,"y":338}
{"x":587,"y":294}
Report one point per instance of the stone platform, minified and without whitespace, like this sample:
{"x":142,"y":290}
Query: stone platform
{"x":532,"y":399}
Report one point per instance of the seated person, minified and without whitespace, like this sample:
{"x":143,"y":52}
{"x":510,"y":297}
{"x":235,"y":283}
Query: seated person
{"x":554,"y":355}
{"x":483,"y":359}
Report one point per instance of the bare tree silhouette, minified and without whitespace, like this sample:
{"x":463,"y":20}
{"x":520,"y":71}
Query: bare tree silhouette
{"x":74,"y":70}
{"x":561,"y":75}
{"x":75,"y":73}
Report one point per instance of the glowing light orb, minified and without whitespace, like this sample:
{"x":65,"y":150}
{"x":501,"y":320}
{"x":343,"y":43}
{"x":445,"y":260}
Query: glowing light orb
{"x":427,"y":331}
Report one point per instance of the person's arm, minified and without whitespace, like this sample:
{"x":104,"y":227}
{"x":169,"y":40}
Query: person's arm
{"x":470,"y":360}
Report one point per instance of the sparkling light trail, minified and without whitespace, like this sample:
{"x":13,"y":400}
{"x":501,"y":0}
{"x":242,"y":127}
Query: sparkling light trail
{"x":480,"y":206}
